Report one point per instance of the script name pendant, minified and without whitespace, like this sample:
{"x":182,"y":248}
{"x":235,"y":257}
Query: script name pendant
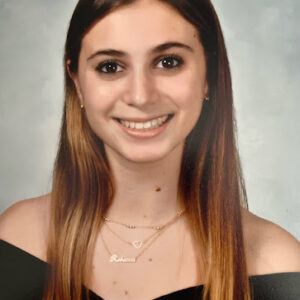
{"x":115,"y":258}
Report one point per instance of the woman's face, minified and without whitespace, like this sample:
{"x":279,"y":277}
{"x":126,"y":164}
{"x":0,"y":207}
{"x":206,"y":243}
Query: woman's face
{"x":139,"y":65}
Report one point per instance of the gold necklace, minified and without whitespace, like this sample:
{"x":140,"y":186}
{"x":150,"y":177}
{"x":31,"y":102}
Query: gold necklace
{"x":156,"y":227}
{"x":137,"y":244}
{"x":115,"y":258}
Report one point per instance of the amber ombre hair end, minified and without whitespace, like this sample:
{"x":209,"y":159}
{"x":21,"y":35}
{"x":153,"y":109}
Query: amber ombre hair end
{"x":211,"y":184}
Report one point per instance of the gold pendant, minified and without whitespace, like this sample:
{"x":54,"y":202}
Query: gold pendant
{"x":137,"y":244}
{"x":115,"y":258}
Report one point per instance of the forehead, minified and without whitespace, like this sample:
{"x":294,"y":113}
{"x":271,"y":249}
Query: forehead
{"x":140,"y":26}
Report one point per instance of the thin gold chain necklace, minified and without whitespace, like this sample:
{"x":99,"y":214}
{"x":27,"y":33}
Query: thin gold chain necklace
{"x":137,"y":244}
{"x":156,"y":227}
{"x":115,"y":258}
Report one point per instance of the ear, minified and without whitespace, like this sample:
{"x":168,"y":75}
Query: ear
{"x":74,"y":77}
{"x":206,"y":89}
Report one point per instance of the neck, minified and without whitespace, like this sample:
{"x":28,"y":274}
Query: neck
{"x":146,"y":193}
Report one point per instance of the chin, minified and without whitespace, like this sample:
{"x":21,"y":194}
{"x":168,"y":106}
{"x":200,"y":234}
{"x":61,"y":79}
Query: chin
{"x":154,"y":154}
{"x":145,"y":153}
{"x":144,"y":157}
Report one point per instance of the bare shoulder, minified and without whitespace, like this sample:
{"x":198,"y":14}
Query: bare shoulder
{"x":24,"y":224}
{"x":269,"y":247}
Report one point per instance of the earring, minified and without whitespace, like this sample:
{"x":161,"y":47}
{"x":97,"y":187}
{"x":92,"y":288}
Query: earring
{"x":206,"y":98}
{"x":81,"y":106}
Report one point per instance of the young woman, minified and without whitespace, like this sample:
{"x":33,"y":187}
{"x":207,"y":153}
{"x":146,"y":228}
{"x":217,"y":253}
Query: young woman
{"x":148,"y":199}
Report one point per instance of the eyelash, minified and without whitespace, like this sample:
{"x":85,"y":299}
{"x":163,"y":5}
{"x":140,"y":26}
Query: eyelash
{"x":172,"y":56}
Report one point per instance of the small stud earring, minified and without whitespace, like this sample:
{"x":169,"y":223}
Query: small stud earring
{"x":206,"y":98}
{"x":81,"y":106}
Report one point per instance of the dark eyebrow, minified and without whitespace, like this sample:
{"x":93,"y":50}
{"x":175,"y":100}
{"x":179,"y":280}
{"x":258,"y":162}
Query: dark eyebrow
{"x":169,"y":45}
{"x":159,"y":48}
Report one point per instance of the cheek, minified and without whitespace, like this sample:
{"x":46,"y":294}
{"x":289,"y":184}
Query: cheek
{"x":187,"y":91}
{"x":98,"y":97}
{"x":188,"y":95}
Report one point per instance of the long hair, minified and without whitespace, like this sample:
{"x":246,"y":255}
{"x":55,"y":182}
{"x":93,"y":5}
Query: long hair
{"x":211,"y":182}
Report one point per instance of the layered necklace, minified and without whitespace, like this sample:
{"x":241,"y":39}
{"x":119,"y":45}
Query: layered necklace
{"x":137,"y":244}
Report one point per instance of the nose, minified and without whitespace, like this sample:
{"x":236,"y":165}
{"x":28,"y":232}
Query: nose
{"x":141,"y":89}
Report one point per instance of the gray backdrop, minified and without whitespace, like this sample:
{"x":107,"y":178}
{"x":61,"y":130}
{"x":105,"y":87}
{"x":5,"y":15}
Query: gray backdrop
{"x":263,"y":43}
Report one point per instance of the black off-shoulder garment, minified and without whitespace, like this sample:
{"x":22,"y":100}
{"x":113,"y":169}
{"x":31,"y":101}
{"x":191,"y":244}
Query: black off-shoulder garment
{"x":22,"y":277}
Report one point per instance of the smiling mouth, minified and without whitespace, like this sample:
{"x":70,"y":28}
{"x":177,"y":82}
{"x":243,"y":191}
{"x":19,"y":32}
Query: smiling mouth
{"x":151,"y":124}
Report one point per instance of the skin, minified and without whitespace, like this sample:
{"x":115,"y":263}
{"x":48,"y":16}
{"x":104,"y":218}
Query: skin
{"x":146,"y":171}
{"x":142,"y":88}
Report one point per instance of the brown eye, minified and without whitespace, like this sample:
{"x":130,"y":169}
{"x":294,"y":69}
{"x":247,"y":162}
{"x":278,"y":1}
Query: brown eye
{"x":109,"y":67}
{"x":170,"y":62}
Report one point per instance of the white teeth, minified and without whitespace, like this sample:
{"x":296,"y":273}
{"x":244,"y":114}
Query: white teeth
{"x":164,"y":118}
{"x":154,"y":123}
{"x":139,"y":125}
{"x":147,"y":125}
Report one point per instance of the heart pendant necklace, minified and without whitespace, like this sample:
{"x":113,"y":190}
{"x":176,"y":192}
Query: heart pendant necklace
{"x":137,"y":244}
